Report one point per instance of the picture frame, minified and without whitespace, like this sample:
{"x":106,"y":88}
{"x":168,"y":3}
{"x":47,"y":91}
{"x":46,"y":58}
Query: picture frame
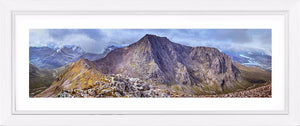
{"x":24,"y":105}
{"x":289,"y":115}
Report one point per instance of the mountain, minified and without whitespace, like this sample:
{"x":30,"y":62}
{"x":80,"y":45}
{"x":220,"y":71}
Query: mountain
{"x":79,"y":75}
{"x":158,"y":63}
{"x":159,"y":60}
{"x":110,"y":48}
{"x":252,"y":57}
{"x":48,"y":58}
{"x":36,"y":55}
{"x":41,"y":79}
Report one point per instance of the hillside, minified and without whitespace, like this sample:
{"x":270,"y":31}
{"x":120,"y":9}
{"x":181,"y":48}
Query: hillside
{"x":80,"y":75}
{"x":41,"y":79}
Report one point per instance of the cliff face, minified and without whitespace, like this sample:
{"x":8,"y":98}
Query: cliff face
{"x":159,"y":60}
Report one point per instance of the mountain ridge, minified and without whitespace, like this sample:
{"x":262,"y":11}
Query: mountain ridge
{"x":158,"y":61}
{"x":166,"y":58}
{"x":48,"y":58}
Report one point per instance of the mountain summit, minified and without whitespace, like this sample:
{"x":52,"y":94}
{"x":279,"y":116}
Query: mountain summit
{"x":161,"y":61}
{"x":155,"y":62}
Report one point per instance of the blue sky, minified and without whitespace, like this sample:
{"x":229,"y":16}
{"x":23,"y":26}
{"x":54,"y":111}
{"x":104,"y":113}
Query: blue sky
{"x":96,"y":40}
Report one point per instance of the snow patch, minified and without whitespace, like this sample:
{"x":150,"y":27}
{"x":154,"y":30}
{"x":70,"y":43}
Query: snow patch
{"x":58,"y":50}
{"x":74,"y":48}
{"x":241,"y":55}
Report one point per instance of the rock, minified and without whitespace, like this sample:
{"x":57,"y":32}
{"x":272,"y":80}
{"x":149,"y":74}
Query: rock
{"x":118,"y":94}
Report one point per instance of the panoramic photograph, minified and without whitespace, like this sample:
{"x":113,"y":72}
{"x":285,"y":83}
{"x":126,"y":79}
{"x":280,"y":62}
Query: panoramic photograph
{"x":150,"y":63}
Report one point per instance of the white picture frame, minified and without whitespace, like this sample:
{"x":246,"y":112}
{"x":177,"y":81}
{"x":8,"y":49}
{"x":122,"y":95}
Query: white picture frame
{"x":24,"y":21}
{"x":288,"y":116}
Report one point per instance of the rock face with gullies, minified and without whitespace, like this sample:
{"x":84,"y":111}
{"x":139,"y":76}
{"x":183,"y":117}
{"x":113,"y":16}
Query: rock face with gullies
{"x":159,"y":60}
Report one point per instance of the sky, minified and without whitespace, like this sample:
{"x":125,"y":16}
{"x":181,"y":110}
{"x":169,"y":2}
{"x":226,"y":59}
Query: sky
{"x":96,"y":40}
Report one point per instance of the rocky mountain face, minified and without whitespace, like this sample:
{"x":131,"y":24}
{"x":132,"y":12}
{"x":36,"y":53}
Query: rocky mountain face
{"x":159,"y":60}
{"x":156,"y":67}
{"x":83,"y":79}
{"x":48,"y":58}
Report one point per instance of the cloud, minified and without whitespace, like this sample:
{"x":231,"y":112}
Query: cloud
{"x":91,"y":40}
{"x":237,"y":36}
{"x":96,"y":40}
{"x":95,"y":34}
{"x":39,"y":37}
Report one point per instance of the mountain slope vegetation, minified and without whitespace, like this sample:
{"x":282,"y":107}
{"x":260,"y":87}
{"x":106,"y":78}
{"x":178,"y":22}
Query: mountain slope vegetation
{"x":41,"y":79}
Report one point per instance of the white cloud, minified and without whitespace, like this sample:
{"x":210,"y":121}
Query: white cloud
{"x":95,"y":40}
{"x":40,"y":37}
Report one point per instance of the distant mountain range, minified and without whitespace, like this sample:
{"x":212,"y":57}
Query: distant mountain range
{"x":252,"y":57}
{"x":157,"y":61}
{"x":49,"y":58}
